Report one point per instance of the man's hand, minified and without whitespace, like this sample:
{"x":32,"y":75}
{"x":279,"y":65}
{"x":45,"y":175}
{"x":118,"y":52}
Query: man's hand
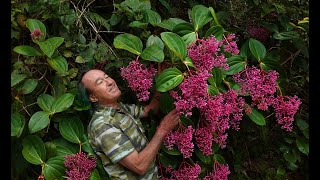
{"x":169,"y":122}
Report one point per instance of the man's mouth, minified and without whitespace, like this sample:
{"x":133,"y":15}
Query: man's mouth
{"x":112,"y":88}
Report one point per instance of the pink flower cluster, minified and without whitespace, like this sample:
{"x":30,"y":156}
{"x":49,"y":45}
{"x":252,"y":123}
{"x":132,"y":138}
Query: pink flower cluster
{"x":182,"y":138}
{"x":285,"y":109}
{"x":139,"y":78}
{"x":185,"y":172}
{"x":203,"y":139}
{"x":262,"y":86}
{"x":257,"y":32}
{"x":207,"y":53}
{"x":194,"y":89}
{"x":36,"y":34}
{"x":220,"y":172}
{"x":79,"y":166}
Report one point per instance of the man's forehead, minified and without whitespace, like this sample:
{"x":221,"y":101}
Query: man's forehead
{"x":92,"y":75}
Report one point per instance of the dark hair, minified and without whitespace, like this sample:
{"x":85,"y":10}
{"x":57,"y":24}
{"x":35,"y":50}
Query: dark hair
{"x":83,"y":92}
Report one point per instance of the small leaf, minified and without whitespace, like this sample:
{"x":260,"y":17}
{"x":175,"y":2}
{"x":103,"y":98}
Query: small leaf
{"x":128,"y":42}
{"x":45,"y":102}
{"x":213,"y":90}
{"x":59,"y":64}
{"x":17,"y":78}
{"x":168,"y":160}
{"x":38,"y":121}
{"x":26,"y":50}
{"x":281,"y":171}
{"x":286,"y":35}
{"x":152,"y":17}
{"x":257,"y":49}
{"x":62,"y":103}
{"x":33,"y":149}
{"x":169,"y":79}
{"x":71,"y":129}
{"x":303,"y":146}
{"x":183,"y":29}
{"x":94,"y":175}
{"x":170,"y":23}
{"x":216,"y":78}
{"x":203,"y":158}
{"x":33,"y":24}
{"x":189,"y":38}
{"x":138,"y":24}
{"x":188,"y":62}
{"x":28,"y":86}
{"x":290,"y":157}
{"x":236,"y":64}
{"x":17,"y":124}
{"x":174,"y":151}
{"x":257,"y":117}
{"x":216,"y":31}
{"x":219,"y":158}
{"x":175,"y":44}
{"x":200,"y":16}
{"x":50,"y":45}
{"x":54,"y":168}
{"x":303,"y":125}
{"x":153,"y":53}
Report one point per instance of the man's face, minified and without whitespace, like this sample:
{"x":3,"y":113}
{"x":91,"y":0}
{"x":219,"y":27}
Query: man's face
{"x":102,"y":87}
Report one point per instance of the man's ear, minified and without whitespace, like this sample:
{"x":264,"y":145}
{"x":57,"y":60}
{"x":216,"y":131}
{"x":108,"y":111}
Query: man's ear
{"x":93,"y":98}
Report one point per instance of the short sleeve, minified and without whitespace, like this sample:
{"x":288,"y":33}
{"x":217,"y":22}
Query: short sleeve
{"x":136,"y":110}
{"x":114,"y":143}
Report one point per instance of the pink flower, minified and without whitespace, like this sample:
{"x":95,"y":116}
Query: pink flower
{"x":79,"y":166}
{"x":37,"y":34}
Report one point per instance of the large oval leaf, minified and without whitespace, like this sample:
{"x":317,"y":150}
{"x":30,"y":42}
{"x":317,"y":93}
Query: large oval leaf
{"x":54,"y":168}
{"x":64,"y":147}
{"x":216,"y":31}
{"x":155,"y":40}
{"x":302,"y":145}
{"x":153,"y":53}
{"x":38,"y":121}
{"x":59,"y":64}
{"x":33,"y":24}
{"x":17,"y":78}
{"x":169,"y":79}
{"x":28,"y":86}
{"x":71,"y":129}
{"x":257,"y":117}
{"x":286,"y":35}
{"x":168,"y":160}
{"x":200,"y":16}
{"x":34,"y":149}
{"x":189,"y":38}
{"x":302,"y":124}
{"x":45,"y":102}
{"x":26,"y":50}
{"x":17,"y":124}
{"x":128,"y":42}
{"x":50,"y":45}
{"x":236,"y":64}
{"x":94,"y":175}
{"x":170,"y":23}
{"x":62,"y":103}
{"x":152,"y":17}
{"x":183,"y":29}
{"x":175,"y":43}
{"x":257,"y":49}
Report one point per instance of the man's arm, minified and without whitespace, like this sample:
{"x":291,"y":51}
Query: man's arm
{"x":140,"y":162}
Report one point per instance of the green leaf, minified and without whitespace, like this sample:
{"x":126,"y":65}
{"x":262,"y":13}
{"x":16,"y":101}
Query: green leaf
{"x":216,"y":31}
{"x":62,"y":103}
{"x":94,"y":175}
{"x":50,"y":45}
{"x":236,"y":64}
{"x":303,"y":146}
{"x":54,"y":168}
{"x":281,"y":171}
{"x":270,"y":26}
{"x":175,"y":43}
{"x":152,"y":17}
{"x":174,"y":151}
{"x":203,"y":158}
{"x":188,"y":62}
{"x":153,"y":39}
{"x":169,"y":79}
{"x":168,"y":160}
{"x":33,"y":149}
{"x":215,"y":16}
{"x":257,"y":117}
{"x":128,"y":42}
{"x":138,"y":24}
{"x":45,"y":102}
{"x":183,"y":29}
{"x":71,"y":129}
{"x":28,"y":86}
{"x":33,"y":24}
{"x":64,"y":147}
{"x":213,"y":90}
{"x":26,"y":50}
{"x":286,"y":35}
{"x":170,"y":23}
{"x":166,"y":103}
{"x":216,"y":76}
{"x":17,"y":78}
{"x":153,"y":53}
{"x":290,"y":157}
{"x":38,"y":121}
{"x":185,"y":121}
{"x":219,"y":158}
{"x":189,"y":38}
{"x":81,"y":38}
{"x":245,"y":51}
{"x":59,"y":64}
{"x":200,"y":16}
{"x":17,"y":124}
{"x":257,"y":49}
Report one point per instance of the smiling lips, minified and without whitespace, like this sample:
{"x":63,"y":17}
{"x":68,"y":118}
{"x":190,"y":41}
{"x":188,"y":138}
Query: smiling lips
{"x":112,"y":88}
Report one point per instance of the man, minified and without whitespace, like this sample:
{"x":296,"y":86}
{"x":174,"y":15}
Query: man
{"x":116,"y":133}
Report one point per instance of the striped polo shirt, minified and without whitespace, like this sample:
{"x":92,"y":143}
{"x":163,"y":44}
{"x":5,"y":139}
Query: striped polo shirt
{"x":113,"y":134}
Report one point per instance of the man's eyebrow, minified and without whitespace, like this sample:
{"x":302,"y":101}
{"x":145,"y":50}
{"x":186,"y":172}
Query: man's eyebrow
{"x":99,"y":78}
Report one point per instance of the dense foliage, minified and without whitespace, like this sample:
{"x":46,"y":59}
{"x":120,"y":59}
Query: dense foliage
{"x":237,"y":71}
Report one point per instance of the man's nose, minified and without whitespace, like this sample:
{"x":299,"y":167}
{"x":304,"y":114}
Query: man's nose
{"x":109,"y":81}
